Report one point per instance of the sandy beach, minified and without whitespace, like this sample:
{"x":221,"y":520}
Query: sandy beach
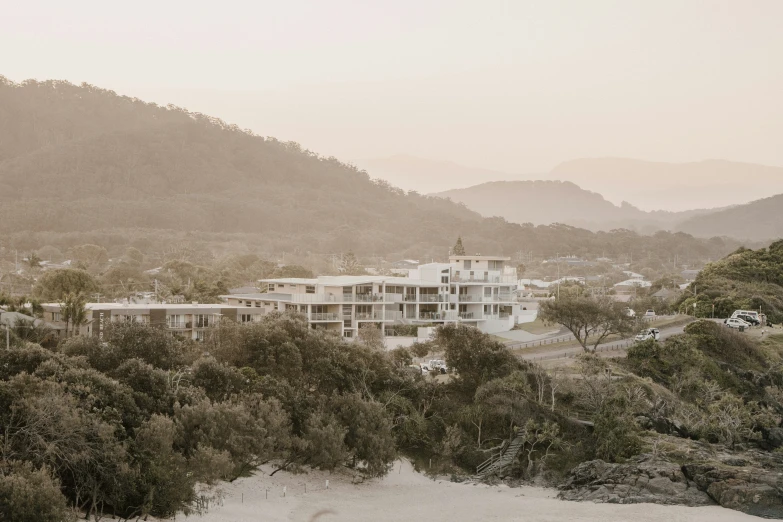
{"x":410,"y":496}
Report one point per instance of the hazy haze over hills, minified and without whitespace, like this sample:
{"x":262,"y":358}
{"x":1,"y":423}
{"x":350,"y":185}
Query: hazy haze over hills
{"x":514,"y":87}
{"x":646,"y":185}
{"x":545,"y":202}
{"x":672,"y":186}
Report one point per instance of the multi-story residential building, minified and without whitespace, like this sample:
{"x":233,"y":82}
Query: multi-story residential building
{"x":187,"y":320}
{"x":476,"y":290}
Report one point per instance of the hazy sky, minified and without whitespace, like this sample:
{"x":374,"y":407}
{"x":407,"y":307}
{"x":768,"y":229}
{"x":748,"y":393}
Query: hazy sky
{"x":517,"y":86}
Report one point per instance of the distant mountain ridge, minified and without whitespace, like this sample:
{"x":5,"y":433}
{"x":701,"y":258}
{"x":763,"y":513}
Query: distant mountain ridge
{"x":672,"y":186}
{"x":758,"y":220}
{"x":544,"y":202}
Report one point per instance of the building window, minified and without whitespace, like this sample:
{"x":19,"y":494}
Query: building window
{"x":258,"y":304}
{"x":201,"y":321}
{"x":175,"y":321}
{"x":466,"y":264}
{"x":271,"y":287}
{"x":57,"y":317}
{"x":310,"y":289}
{"x":245,"y":318}
{"x":200,"y":335}
{"x":444,"y":280}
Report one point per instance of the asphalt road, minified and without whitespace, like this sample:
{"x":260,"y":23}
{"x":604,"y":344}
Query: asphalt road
{"x":618,"y":345}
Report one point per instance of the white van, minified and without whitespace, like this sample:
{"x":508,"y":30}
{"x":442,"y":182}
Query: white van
{"x":750,"y":313}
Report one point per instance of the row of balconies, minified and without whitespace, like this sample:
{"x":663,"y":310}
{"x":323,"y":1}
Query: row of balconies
{"x":463,"y":298}
{"x":392,"y":298}
{"x":389,"y":315}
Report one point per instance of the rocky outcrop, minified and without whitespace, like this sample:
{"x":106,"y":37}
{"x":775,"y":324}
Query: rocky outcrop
{"x":744,"y":479}
{"x":752,"y":490}
{"x":632,"y":483}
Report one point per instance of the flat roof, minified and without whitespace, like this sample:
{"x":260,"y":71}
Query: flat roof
{"x":150,"y":306}
{"x":350,"y":280}
{"x":480,"y":258}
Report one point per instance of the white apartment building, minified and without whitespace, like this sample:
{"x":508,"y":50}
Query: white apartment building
{"x":187,"y":320}
{"x":476,"y":290}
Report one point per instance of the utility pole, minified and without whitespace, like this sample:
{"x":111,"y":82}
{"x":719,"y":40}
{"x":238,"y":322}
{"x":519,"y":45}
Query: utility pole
{"x":558,"y":275}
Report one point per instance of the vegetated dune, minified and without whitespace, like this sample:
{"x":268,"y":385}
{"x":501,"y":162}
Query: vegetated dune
{"x":405,"y":494}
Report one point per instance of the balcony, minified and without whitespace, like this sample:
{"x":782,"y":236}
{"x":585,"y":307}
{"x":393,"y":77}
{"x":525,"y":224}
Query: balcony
{"x":368,"y":298}
{"x":393,"y":298}
{"x":389,"y":315}
{"x":469,"y":298}
{"x":316,"y":298}
{"x":325,"y":317}
{"x":446,"y":315}
{"x":410,"y":297}
{"x":466,"y":315}
{"x":433,"y":298}
{"x":178,"y":325}
{"x":484,"y":277}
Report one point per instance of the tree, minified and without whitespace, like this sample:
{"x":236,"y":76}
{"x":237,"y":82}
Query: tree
{"x":30,"y":495}
{"x":590,"y":320}
{"x":474,"y":356}
{"x":54,"y":285}
{"x":458,"y":249}
{"x":349,"y":265}
{"x":370,"y":335}
{"x":33,"y":260}
{"x":73,"y":312}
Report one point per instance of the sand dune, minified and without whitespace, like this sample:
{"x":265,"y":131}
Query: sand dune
{"x":405,"y":495}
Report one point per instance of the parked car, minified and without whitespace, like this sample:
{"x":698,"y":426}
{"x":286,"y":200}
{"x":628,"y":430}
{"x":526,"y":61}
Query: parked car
{"x":649,"y":313}
{"x":748,"y":319}
{"x":630,"y":312}
{"x":733,"y":322}
{"x":649,"y":333}
{"x":438,"y":364}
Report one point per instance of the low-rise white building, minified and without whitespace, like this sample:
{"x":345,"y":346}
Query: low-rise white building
{"x":187,"y":320}
{"x":476,"y":290}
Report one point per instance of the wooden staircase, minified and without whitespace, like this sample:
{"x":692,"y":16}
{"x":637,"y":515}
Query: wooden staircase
{"x":501,"y":460}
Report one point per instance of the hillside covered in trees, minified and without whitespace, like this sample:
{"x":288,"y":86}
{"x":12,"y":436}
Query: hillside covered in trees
{"x":757,"y":220}
{"x":79,"y":164}
{"x":745,"y":280}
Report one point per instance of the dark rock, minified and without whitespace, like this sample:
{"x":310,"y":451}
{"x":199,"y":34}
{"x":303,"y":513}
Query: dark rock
{"x":748,"y":489}
{"x":772,"y":438}
{"x":662,"y":425}
{"x":632,"y":483}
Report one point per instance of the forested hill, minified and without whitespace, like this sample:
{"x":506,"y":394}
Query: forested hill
{"x":762,"y":219}
{"x":79,"y":159}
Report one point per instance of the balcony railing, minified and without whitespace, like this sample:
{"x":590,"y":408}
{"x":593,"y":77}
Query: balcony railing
{"x":433,"y":298}
{"x":393,"y":298}
{"x":316,"y":298}
{"x":368,"y":298}
{"x":466,"y":315}
{"x":447,"y":315}
{"x":325,"y":317}
{"x":468,"y":297}
{"x":172,"y":325}
{"x":483,"y":277}
{"x":389,"y":315}
{"x":410,"y":297}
